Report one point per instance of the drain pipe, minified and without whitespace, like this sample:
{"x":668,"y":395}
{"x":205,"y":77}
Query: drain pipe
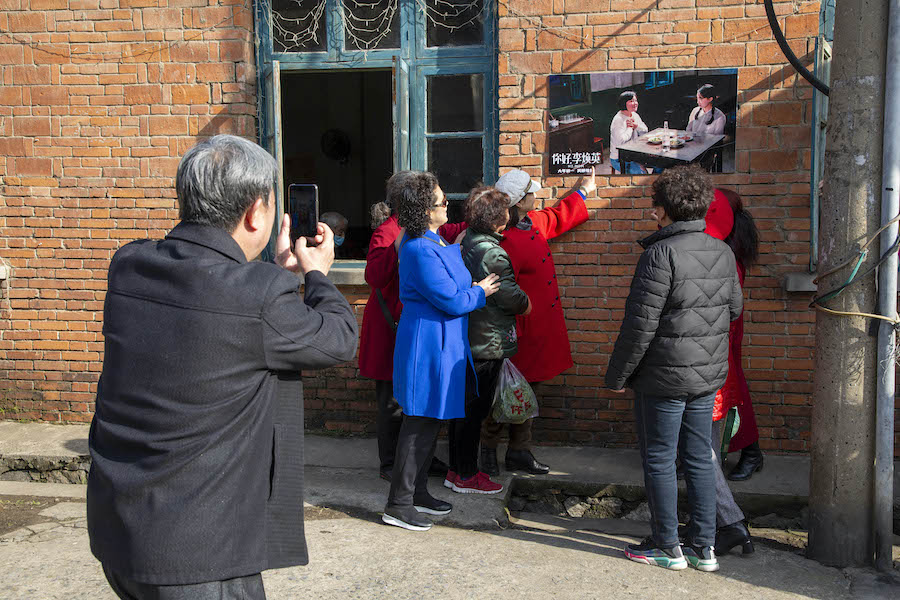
{"x":887,"y":300}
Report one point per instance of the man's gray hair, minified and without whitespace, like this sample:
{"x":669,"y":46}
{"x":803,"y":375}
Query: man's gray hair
{"x":220,"y":178}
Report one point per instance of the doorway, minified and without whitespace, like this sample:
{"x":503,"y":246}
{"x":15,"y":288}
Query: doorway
{"x":337,"y":132}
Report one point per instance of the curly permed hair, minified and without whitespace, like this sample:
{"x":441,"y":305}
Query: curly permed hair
{"x":411,"y":194}
{"x":684,"y":192}
{"x":486,"y":209}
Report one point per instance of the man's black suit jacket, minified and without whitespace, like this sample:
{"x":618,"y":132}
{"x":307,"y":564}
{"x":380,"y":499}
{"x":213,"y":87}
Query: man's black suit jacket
{"x":197,"y":437}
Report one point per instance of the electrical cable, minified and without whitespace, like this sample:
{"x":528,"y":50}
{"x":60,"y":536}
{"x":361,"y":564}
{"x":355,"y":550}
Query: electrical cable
{"x":788,"y":53}
{"x":850,"y":260}
{"x":836,"y":291}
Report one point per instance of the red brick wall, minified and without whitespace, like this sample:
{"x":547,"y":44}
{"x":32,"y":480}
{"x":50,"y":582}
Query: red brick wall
{"x":99,"y":99}
{"x":595,"y":262}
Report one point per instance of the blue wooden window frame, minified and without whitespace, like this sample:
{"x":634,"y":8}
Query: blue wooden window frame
{"x":422,"y":61}
{"x":419,"y":143}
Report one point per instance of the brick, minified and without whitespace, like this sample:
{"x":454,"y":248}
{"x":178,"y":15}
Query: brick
{"x":801,"y":26}
{"x":49,"y":96}
{"x":530,"y":62}
{"x":773,"y":160}
{"x":49,"y":4}
{"x":215,"y":72}
{"x":27,"y":21}
{"x":720,"y":56}
{"x":584,"y":60}
{"x":11,"y":54}
{"x":560,"y":38}
{"x":161,"y":18}
{"x":190,"y":94}
{"x":30,"y":74}
{"x":143,"y":94}
{"x":174,"y":125}
{"x":16,"y":146}
{"x":34,"y":166}
{"x":190,"y":52}
{"x":530,"y":7}
{"x":742,"y":30}
{"x":31,"y":126}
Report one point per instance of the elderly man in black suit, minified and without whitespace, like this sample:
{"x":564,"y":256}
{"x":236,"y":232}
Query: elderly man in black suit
{"x":197,"y":440}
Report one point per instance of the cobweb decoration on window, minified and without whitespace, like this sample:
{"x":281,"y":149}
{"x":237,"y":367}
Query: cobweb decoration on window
{"x":369,"y":23}
{"x":298,"y":25}
{"x":452,"y":14}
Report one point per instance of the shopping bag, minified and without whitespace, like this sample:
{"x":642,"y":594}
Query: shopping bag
{"x":514,"y":400}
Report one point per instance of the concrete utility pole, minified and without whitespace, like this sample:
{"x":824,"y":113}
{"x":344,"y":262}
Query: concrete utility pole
{"x":843,"y":417}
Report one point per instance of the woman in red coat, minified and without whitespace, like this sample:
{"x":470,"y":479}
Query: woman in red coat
{"x":380,"y":316}
{"x":543,"y":340}
{"x":743,"y":238}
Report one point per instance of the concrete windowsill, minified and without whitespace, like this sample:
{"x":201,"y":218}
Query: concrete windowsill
{"x":346,"y":272}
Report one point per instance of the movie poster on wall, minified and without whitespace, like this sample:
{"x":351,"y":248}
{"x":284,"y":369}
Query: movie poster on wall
{"x":639,"y":122}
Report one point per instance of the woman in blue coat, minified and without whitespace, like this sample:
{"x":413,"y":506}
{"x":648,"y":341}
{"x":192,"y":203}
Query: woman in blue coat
{"x":432,"y":350}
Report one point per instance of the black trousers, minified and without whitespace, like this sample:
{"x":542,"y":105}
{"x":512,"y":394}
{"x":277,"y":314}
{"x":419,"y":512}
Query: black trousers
{"x":388,"y":422}
{"x":465,"y":433}
{"x":239,"y":588}
{"x":415,"y":449}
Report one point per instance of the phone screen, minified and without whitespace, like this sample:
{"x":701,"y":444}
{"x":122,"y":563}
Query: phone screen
{"x":303,"y":206}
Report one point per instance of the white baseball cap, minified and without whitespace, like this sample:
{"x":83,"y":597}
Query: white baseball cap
{"x":516,"y":184}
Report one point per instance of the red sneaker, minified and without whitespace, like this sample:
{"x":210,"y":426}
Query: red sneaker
{"x":450,"y":479}
{"x":479,"y":483}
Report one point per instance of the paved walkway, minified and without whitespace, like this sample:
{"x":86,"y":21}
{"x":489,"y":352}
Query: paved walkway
{"x":483,"y":554}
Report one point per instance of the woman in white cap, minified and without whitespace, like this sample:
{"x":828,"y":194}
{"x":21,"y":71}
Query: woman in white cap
{"x":543,"y":340}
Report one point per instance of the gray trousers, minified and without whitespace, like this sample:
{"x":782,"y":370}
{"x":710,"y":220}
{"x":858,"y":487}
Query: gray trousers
{"x":727,"y":510}
{"x":239,"y":588}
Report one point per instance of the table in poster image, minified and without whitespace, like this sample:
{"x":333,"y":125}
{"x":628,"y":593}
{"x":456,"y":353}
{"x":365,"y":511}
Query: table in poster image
{"x":643,"y":152}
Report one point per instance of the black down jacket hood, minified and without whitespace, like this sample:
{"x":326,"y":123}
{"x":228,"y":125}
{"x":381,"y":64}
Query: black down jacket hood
{"x":684,"y":295}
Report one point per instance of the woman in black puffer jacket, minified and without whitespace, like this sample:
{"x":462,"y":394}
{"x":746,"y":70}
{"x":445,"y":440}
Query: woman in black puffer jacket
{"x":492,"y":334}
{"x":672,"y":350}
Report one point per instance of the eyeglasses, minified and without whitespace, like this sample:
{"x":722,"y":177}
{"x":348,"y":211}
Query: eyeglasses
{"x":442,"y":204}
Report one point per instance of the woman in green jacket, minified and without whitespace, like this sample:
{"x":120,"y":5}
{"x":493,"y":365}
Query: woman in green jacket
{"x":492,"y":334}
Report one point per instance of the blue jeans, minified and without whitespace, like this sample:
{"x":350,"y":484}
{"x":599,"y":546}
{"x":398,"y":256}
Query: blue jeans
{"x":633,"y":167}
{"x":664,"y":426}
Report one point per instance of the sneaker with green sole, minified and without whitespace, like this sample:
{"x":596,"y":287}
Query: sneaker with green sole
{"x":649,"y":553}
{"x":702,"y":558}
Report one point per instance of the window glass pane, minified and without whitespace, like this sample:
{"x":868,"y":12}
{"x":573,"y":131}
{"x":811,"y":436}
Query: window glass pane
{"x":454,"y":22}
{"x":298,"y":25}
{"x":455,"y":103}
{"x":457,"y":162}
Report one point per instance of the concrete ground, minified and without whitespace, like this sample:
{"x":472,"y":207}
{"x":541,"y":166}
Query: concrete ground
{"x":478,"y":551}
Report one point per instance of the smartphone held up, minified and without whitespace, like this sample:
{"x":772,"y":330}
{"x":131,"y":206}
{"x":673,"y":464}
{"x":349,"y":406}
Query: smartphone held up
{"x":303,"y":207}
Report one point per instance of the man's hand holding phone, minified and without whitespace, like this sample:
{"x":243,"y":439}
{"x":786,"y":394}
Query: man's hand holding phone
{"x":303,"y":258}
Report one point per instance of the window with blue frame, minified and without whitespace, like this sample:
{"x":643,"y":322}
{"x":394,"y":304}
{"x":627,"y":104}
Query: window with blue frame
{"x":354,"y":90}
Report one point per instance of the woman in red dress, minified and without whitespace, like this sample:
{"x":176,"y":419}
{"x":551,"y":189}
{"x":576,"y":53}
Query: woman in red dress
{"x":744,"y":242}
{"x":543,"y":340}
{"x":380,"y":317}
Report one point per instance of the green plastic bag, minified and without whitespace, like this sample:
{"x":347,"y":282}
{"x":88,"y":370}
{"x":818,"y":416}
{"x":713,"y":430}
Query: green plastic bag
{"x":514,"y":400}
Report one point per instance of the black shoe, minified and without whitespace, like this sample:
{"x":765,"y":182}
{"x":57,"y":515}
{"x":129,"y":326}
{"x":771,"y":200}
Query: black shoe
{"x":751,"y":461}
{"x":729,"y":536}
{"x":406,"y":517}
{"x":523,"y":460}
{"x":438,"y":468}
{"x":489,"y":462}
{"x":385,"y":474}
{"x":430,"y":505}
